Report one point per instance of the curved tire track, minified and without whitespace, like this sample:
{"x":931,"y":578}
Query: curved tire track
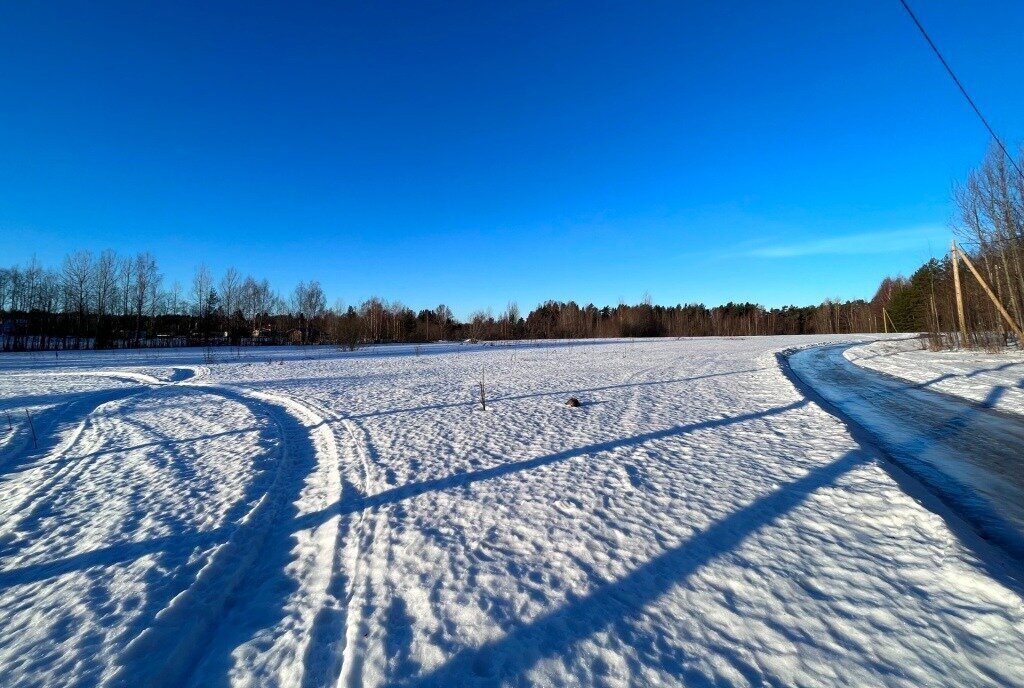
{"x":80,"y":415}
{"x":203,"y":623}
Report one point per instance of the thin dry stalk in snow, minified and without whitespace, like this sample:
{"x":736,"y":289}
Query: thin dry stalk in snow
{"x":35,"y":441}
{"x":483,"y":391}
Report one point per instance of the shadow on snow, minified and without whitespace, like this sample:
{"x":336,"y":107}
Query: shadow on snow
{"x":616,"y":603}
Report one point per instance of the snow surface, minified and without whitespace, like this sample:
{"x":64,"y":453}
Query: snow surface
{"x":993,"y":380}
{"x":309,"y":517}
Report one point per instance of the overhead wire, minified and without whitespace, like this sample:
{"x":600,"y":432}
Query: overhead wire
{"x":963,"y":90}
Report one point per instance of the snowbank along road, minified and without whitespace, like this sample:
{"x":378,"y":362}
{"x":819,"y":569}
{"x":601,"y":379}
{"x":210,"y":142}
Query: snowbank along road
{"x":300,"y":517}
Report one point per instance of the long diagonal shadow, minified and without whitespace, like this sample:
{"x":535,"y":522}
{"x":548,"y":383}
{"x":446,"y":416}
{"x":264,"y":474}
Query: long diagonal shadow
{"x":963,"y":453}
{"x":16,"y":403}
{"x":121,"y":552}
{"x":954,"y":376}
{"x":302,"y":382}
{"x":409,"y":491}
{"x":619,"y":601}
{"x":278,"y":548}
{"x":109,"y":556}
{"x":49,"y":424}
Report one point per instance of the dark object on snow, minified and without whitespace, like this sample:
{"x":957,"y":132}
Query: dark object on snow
{"x":573,"y":402}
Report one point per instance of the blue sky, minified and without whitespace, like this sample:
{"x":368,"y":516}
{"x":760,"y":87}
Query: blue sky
{"x":475,"y":153}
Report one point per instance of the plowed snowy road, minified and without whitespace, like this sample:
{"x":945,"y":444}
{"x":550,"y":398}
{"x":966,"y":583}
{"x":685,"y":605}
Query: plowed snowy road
{"x":312,"y":517}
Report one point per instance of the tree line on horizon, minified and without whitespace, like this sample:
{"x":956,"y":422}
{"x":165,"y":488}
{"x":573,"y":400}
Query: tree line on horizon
{"x":110,"y":301}
{"x":989,"y":228}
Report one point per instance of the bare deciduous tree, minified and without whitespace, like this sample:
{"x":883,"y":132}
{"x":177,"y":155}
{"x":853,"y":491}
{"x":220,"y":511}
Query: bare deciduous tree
{"x":229,"y":294}
{"x":77,"y":277}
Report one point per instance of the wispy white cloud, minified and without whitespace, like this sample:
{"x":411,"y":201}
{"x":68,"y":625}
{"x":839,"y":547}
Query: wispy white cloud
{"x":856,"y":244}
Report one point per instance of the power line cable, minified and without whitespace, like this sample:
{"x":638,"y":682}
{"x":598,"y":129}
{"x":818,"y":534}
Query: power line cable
{"x":963,"y":90}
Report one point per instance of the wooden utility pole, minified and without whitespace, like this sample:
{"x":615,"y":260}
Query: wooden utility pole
{"x":959,"y":294}
{"x":1002,"y":311}
{"x":885,"y":314}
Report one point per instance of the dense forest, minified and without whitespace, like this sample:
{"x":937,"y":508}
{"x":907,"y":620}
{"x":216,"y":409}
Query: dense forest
{"x":111,"y":301}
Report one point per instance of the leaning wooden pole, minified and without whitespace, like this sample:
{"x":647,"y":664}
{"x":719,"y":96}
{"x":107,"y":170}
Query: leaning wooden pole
{"x":1002,"y":311}
{"x":961,"y":321}
{"x":885,"y":314}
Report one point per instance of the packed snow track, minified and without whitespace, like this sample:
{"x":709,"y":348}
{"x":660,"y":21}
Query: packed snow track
{"x":312,"y":517}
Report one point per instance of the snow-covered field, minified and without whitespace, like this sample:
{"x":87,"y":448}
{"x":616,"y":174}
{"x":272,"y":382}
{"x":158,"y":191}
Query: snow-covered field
{"x":993,"y":380}
{"x":315,"y":517}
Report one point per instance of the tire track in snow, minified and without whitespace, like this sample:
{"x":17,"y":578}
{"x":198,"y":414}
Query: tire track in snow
{"x":332,"y":653}
{"x":167,"y":652}
{"x":48,"y":426}
{"x":181,"y":374}
{"x":57,"y":469}
{"x":362,"y":553}
{"x":208,"y":623}
{"x":62,"y":473}
{"x":366,"y":561}
{"x":61,"y":414}
{"x":319,"y":609}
